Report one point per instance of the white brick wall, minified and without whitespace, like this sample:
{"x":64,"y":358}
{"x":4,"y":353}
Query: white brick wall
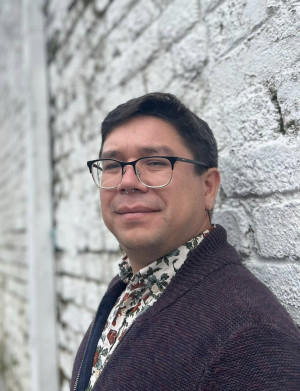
{"x":234,"y":63}
{"x":27,"y":321}
{"x":14,"y":324}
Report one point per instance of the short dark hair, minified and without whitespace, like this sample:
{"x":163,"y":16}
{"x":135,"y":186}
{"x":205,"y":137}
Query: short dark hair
{"x":195,"y":132}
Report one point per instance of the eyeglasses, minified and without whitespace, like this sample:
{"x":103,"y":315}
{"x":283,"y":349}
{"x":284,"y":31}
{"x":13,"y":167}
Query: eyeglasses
{"x":151,"y":171}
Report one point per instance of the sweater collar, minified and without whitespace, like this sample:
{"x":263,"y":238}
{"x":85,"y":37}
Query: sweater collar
{"x":212,"y":254}
{"x":168,"y":264}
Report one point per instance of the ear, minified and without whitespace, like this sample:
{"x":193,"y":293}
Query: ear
{"x":212,"y":183}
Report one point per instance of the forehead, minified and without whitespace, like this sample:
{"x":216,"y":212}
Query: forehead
{"x":143,"y":136}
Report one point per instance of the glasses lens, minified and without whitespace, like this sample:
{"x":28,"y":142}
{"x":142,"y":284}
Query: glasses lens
{"x":107,"y":173}
{"x":154,"y":171}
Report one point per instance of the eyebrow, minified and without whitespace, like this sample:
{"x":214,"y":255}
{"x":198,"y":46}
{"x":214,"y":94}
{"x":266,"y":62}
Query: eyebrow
{"x":143,"y":151}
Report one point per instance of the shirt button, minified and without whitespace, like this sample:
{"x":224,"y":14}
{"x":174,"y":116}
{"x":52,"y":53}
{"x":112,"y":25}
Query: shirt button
{"x":155,"y":288}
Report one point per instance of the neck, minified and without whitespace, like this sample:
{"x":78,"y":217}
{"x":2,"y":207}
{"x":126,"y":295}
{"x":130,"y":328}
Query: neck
{"x":143,"y":257}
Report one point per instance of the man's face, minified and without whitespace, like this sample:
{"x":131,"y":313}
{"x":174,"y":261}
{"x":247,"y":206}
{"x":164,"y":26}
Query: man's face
{"x":149,"y":223}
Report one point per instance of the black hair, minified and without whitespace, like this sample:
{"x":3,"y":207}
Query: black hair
{"x":194,"y":132}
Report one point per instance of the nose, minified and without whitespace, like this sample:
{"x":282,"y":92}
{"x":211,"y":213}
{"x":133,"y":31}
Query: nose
{"x":130,"y":181}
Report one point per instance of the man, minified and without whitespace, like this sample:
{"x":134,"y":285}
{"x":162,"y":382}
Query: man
{"x":184,"y":313}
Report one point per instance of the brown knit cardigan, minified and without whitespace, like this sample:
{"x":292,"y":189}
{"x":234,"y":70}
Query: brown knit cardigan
{"x":216,"y":327}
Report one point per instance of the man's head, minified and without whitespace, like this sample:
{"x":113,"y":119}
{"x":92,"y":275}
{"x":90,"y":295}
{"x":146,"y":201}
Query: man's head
{"x":150,"y":222}
{"x":195,"y":132}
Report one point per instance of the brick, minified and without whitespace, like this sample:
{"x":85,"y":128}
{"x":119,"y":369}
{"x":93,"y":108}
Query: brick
{"x":233,"y":21}
{"x":116,"y":11}
{"x":71,"y":316}
{"x":58,"y":13}
{"x":277,"y":230}
{"x":139,"y":18}
{"x":269,"y":62}
{"x":86,"y":318}
{"x":110,"y":242}
{"x":176,"y":20}
{"x":66,"y":338}
{"x":190,"y":54}
{"x":237,"y":225}
{"x":209,"y":5}
{"x":65,"y":385}
{"x":66,"y":363}
{"x":96,"y":34}
{"x":288,"y":99}
{"x":100,"y":5}
{"x":125,"y":66}
{"x":93,"y":294}
{"x":73,"y":289}
{"x":162,"y":32}
{"x":242,"y":125}
{"x":101,"y":267}
{"x":272,"y":167}
{"x":14,"y":323}
{"x":65,"y":234}
{"x":94,"y":265}
{"x":159,"y":73}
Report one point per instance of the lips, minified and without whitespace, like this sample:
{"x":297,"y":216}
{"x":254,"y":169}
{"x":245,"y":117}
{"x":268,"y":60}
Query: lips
{"x":134,"y":209}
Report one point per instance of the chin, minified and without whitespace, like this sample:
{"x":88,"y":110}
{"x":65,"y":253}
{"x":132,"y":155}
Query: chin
{"x":138,"y":242}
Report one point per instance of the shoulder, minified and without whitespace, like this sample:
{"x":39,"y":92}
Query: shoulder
{"x":219,"y":289}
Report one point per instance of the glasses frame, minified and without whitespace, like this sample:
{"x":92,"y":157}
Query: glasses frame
{"x":172,"y":160}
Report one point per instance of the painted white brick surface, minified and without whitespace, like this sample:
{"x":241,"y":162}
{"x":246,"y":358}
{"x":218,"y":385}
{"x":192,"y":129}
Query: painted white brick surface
{"x":14,"y":317}
{"x":234,"y":63}
{"x":278,"y":224}
{"x":261,"y":170}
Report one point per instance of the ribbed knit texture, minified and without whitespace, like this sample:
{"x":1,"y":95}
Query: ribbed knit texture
{"x":216,"y":327}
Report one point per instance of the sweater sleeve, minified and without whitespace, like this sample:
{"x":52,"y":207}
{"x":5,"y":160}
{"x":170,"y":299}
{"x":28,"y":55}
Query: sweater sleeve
{"x":256,"y":358}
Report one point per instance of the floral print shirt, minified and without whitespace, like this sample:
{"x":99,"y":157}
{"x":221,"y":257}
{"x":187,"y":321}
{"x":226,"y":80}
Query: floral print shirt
{"x":143,"y":289}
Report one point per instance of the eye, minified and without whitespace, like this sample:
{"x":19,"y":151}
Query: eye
{"x":110,"y":166}
{"x":156,"y":162}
